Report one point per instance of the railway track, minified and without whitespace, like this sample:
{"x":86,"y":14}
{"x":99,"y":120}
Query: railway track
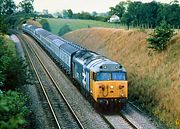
{"x":119,"y":121}
{"x":62,"y":112}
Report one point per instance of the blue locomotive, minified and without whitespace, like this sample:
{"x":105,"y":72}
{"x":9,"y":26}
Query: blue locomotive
{"x":101,"y":78}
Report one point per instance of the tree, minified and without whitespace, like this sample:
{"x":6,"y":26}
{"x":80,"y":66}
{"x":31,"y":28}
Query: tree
{"x":118,"y":10}
{"x":160,"y":37}
{"x":45,"y":24}
{"x":127,"y":19}
{"x":26,"y":6}
{"x":151,"y":13}
{"x":65,"y":13}
{"x":70,"y":13}
{"x":94,"y":13}
{"x":170,"y":13}
{"x":3,"y":26}
{"x":64,"y":30}
{"x":7,"y":7}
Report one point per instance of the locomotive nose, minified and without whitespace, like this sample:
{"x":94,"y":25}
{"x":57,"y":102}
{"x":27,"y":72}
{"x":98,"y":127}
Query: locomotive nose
{"x":112,"y":89}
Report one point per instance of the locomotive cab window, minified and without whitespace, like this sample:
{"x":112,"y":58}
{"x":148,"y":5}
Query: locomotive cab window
{"x":100,"y":76}
{"x":106,"y":76}
{"x":118,"y":75}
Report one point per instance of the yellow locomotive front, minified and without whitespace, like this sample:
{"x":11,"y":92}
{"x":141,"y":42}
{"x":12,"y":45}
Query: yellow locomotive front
{"x":109,"y":86}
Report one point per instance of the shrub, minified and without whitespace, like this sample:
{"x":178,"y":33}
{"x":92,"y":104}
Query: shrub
{"x":13,"y":71}
{"x":64,"y":30}
{"x":12,"y":110}
{"x":45,"y":25}
{"x":160,"y":37}
{"x":16,"y":74}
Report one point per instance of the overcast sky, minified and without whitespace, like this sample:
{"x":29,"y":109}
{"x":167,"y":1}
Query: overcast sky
{"x":80,"y":5}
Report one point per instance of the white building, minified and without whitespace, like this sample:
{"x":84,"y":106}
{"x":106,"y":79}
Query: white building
{"x":114,"y":18}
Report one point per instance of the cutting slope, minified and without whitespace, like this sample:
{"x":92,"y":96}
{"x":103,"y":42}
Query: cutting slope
{"x":154,"y":78}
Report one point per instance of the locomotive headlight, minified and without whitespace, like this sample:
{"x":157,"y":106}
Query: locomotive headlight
{"x":122,"y":95}
{"x":111,"y":87}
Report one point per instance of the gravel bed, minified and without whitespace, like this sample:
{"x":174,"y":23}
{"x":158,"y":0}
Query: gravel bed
{"x":138,"y":118}
{"x":84,"y":110}
{"x":118,"y":122}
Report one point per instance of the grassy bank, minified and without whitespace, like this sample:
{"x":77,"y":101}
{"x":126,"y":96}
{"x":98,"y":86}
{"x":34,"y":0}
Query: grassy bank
{"x":154,"y":82}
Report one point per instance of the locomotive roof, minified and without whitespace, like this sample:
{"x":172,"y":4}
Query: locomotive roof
{"x":100,"y":65}
{"x":96,"y":62}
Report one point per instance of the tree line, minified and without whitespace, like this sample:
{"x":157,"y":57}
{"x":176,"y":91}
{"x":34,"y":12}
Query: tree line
{"x":133,"y":13}
{"x":149,"y":14}
{"x":69,"y":14}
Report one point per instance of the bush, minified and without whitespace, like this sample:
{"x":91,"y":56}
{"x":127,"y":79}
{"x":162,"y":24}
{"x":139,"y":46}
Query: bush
{"x":45,"y":25}
{"x":13,"y":71}
{"x":160,"y":37}
{"x":16,"y":74}
{"x":64,"y":30}
{"x":12,"y":110}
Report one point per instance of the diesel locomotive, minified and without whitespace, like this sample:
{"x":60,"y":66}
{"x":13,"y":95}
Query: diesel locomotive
{"x":99,"y":77}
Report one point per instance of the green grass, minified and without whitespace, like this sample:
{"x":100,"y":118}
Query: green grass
{"x":75,"y":24}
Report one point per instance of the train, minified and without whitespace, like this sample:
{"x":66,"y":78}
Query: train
{"x":101,"y":78}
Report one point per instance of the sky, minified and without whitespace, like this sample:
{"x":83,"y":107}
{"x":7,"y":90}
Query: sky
{"x":99,"y":6}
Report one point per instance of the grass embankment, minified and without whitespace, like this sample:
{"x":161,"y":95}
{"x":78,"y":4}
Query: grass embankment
{"x":154,"y":82}
{"x":75,"y":24}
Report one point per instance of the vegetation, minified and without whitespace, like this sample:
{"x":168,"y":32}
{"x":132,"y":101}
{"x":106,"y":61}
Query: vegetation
{"x":68,"y":14}
{"x":160,"y":37}
{"x":147,"y":14}
{"x":11,"y":15}
{"x":75,"y":24}
{"x":135,"y":14}
{"x":12,"y":110}
{"x":26,"y":6}
{"x":13,"y":74}
{"x":64,"y":30}
{"x":45,"y":24}
{"x":13,"y":71}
